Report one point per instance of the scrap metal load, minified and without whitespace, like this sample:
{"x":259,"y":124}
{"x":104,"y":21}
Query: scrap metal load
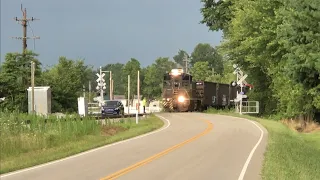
{"x":181,"y":94}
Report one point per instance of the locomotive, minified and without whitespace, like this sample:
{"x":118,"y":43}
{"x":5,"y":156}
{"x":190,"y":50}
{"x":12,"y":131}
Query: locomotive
{"x":181,"y":94}
{"x":178,"y":91}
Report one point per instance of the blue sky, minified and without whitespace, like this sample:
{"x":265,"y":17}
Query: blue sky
{"x":106,"y":31}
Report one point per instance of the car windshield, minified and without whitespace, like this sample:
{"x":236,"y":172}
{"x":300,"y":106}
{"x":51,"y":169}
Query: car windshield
{"x":111,"y":103}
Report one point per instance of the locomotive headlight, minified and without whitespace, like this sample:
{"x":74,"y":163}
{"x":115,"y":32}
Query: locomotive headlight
{"x":181,"y":99}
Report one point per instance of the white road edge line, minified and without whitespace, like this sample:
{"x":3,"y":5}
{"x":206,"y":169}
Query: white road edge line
{"x":89,"y":151}
{"x":244,"y":169}
{"x":246,"y":164}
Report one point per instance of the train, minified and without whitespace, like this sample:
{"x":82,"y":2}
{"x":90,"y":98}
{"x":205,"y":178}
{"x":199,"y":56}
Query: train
{"x":181,"y":94}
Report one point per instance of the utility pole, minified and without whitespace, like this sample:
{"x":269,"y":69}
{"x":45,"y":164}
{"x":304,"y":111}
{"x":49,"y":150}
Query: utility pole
{"x":111,"y":84}
{"x":24,"y":22}
{"x":186,"y":60}
{"x":32,"y":86}
{"x":138,"y":90}
{"x":84,"y":90}
{"x":112,"y":90}
{"x":89,"y":92}
{"x":128,"y":94}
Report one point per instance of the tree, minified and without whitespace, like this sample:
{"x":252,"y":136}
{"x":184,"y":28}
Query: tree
{"x":206,"y":53}
{"x":164,"y":65}
{"x":275,"y":42}
{"x":180,"y":57}
{"x":152,"y":82}
{"x":201,"y":71}
{"x":15,"y":78}
{"x":154,"y":77}
{"x":299,"y":34}
{"x":118,"y":86}
{"x":66,"y":80}
{"x":131,"y":68}
{"x":217,"y":14}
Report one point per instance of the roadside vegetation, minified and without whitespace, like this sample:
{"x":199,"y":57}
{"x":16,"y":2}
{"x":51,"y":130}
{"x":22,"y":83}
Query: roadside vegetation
{"x":292,"y":153}
{"x":31,"y":140}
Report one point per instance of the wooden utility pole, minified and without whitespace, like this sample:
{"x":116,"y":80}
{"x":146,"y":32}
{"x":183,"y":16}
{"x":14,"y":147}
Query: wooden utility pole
{"x":24,"y":22}
{"x":110,"y":84}
{"x":112,"y":90}
{"x":128,"y":94}
{"x":89,"y":92}
{"x":186,"y":60}
{"x":138,"y":91}
{"x":32,"y":86}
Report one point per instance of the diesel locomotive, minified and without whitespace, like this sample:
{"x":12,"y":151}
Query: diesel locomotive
{"x":181,"y":94}
{"x":178,"y":91}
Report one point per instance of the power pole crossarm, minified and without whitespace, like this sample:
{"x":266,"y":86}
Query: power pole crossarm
{"x":24,"y":22}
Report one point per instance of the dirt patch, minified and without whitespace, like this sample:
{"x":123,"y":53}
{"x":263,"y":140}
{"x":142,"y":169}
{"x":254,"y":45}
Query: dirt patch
{"x":302,"y":126}
{"x":108,"y":130}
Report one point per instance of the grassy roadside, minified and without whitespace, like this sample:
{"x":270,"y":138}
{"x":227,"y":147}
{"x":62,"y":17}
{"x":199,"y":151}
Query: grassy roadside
{"x":290,"y":155}
{"x":39,"y":141}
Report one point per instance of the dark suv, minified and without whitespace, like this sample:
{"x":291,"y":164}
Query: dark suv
{"x":112,"y":107}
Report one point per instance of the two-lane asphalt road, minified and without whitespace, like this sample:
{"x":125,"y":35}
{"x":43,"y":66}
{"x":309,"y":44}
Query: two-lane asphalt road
{"x":189,"y":146}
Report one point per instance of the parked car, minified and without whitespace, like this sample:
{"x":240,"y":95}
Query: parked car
{"x":112,"y":107}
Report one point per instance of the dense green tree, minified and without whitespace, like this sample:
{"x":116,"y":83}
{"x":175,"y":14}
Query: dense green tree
{"x":217,"y":14}
{"x":154,"y":77}
{"x":164,"y":65}
{"x":277,"y":43}
{"x":180,"y":58}
{"x":201,"y":71}
{"x":118,"y":88}
{"x":15,"y":79}
{"x":300,"y":35}
{"x":66,"y":80}
{"x":131,"y":68}
{"x":152,"y":84}
{"x":206,"y":53}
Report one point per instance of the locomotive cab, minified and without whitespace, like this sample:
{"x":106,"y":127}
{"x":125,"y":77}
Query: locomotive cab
{"x":177,"y":90}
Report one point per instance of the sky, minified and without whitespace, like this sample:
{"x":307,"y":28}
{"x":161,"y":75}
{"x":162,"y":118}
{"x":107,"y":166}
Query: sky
{"x":106,"y":31}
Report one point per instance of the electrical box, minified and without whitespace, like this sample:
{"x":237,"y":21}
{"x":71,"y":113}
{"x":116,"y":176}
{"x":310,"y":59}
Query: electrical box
{"x":82,"y":106}
{"x":42,"y":100}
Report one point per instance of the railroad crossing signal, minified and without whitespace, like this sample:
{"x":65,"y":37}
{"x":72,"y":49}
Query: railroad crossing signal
{"x":242,"y":79}
{"x":101,"y":85}
{"x":100,"y":77}
{"x":101,"y":81}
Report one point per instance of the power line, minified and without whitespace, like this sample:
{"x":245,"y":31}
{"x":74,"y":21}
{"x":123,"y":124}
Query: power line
{"x":25,"y":22}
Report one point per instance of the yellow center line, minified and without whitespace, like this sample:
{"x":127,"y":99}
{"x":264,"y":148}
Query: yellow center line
{"x":143,"y":162}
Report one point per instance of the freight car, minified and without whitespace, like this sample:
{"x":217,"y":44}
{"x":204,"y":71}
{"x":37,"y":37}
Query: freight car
{"x":217,"y":95}
{"x":180,"y":93}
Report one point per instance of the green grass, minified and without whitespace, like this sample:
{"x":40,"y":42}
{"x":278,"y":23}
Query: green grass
{"x":290,"y":155}
{"x":25,"y":145}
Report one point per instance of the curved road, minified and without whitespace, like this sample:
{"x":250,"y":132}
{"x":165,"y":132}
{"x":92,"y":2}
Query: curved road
{"x":189,"y":146}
